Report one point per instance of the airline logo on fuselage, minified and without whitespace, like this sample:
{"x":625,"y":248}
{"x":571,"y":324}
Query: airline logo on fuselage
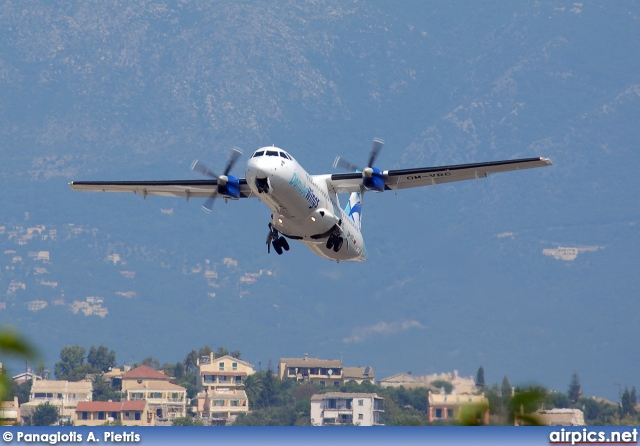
{"x":305,"y":191}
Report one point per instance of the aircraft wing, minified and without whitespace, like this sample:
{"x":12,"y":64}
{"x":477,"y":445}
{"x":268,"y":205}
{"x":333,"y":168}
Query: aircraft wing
{"x":432,"y":176}
{"x":172,"y":188}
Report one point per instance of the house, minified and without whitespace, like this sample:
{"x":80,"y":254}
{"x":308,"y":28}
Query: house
{"x":324,"y":372}
{"x":358,"y":375}
{"x":142,"y":374}
{"x":9,"y":412}
{"x":225,"y":372}
{"x":65,"y":395}
{"x":561,"y":417}
{"x":338,"y":408}
{"x":451,"y":407}
{"x":23,"y":377}
{"x":166,"y":400}
{"x":220,"y":407}
{"x":129,"y":413}
{"x":402,"y":379}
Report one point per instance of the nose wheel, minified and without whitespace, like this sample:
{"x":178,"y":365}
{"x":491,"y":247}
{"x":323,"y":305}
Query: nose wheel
{"x":279,"y":243}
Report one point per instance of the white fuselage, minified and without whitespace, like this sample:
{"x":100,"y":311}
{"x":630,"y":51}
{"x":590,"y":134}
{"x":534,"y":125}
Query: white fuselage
{"x":303,"y":207}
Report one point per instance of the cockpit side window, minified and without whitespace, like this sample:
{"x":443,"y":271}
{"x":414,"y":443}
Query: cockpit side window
{"x":260,"y":153}
{"x":284,"y":155}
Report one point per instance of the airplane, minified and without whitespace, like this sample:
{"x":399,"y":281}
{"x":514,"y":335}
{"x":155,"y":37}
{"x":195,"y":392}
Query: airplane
{"x":306,"y":207}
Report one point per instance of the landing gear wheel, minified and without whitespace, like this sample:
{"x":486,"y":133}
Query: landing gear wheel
{"x":277,"y":246}
{"x":284,"y":243}
{"x":338,"y":244}
{"x":330,"y":242}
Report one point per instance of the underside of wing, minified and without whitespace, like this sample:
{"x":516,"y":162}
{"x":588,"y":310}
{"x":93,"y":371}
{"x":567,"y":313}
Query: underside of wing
{"x":432,"y":176}
{"x":176,"y":188}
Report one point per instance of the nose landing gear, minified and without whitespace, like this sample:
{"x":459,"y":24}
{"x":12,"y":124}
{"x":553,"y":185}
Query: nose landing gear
{"x":279,"y":242}
{"x":262,"y":184}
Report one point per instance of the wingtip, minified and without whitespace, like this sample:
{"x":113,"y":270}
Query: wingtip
{"x":547,"y":161}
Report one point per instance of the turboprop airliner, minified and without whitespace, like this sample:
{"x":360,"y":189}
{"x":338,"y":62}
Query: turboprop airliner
{"x":306,"y":207}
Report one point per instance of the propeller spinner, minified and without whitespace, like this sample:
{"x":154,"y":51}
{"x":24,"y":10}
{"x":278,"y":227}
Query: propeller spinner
{"x":228,"y":186}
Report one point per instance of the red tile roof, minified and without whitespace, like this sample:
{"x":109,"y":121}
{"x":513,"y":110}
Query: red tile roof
{"x":144,"y":372}
{"x":109,"y":406}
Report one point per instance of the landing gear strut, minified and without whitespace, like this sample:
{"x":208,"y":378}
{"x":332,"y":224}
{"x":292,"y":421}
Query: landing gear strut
{"x":335,"y":241}
{"x":279,"y":242}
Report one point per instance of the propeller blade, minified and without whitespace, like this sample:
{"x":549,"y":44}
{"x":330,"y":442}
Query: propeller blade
{"x":375,"y":149}
{"x":208,"y":205}
{"x":235,"y":154}
{"x":344,"y":164}
{"x":197,"y":166}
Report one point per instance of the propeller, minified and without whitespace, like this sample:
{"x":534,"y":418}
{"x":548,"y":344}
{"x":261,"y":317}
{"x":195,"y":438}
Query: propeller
{"x":222,"y":180}
{"x":371,"y":176}
{"x":347,"y":165}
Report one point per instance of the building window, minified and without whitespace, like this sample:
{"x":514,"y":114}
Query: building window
{"x":221,"y":366}
{"x":323,"y":383}
{"x":438,"y":413}
{"x":360,"y":416}
{"x":218,"y":403}
{"x":349,"y":403}
{"x":114,"y":415}
{"x":332,"y":404}
{"x":238,"y":379}
{"x":449,"y":413}
{"x":136,"y":395}
{"x":137,"y":416}
{"x":336,"y":384}
{"x":157,"y":395}
{"x":360,"y":402}
{"x":222,"y":378}
{"x":234,"y":365}
{"x":101,"y":416}
{"x":208,"y":378}
{"x":235,"y":403}
{"x":85,"y":416}
{"x":126,"y":414}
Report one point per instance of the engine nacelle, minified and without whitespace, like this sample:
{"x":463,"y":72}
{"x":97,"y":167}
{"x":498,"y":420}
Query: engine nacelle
{"x":229,"y":187}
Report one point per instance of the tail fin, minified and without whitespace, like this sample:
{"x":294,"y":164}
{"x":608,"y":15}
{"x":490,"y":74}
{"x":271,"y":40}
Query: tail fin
{"x":354,"y":208}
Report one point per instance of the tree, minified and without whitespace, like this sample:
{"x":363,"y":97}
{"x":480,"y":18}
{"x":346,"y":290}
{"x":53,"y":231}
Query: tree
{"x":186,"y":421}
{"x":44,"y":415}
{"x":575,"y":391}
{"x":480,"y":377}
{"x":102,"y":391}
{"x":634,"y":398}
{"x":71,"y":365}
{"x":101,"y":358}
{"x":626,"y":405}
{"x":442,"y":384}
{"x":152,"y":362}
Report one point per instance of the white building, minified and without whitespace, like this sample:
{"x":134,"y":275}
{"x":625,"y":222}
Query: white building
{"x":337,"y":408}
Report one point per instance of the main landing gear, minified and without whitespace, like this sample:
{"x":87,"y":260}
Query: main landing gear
{"x":335,"y":241}
{"x":279,"y":242}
